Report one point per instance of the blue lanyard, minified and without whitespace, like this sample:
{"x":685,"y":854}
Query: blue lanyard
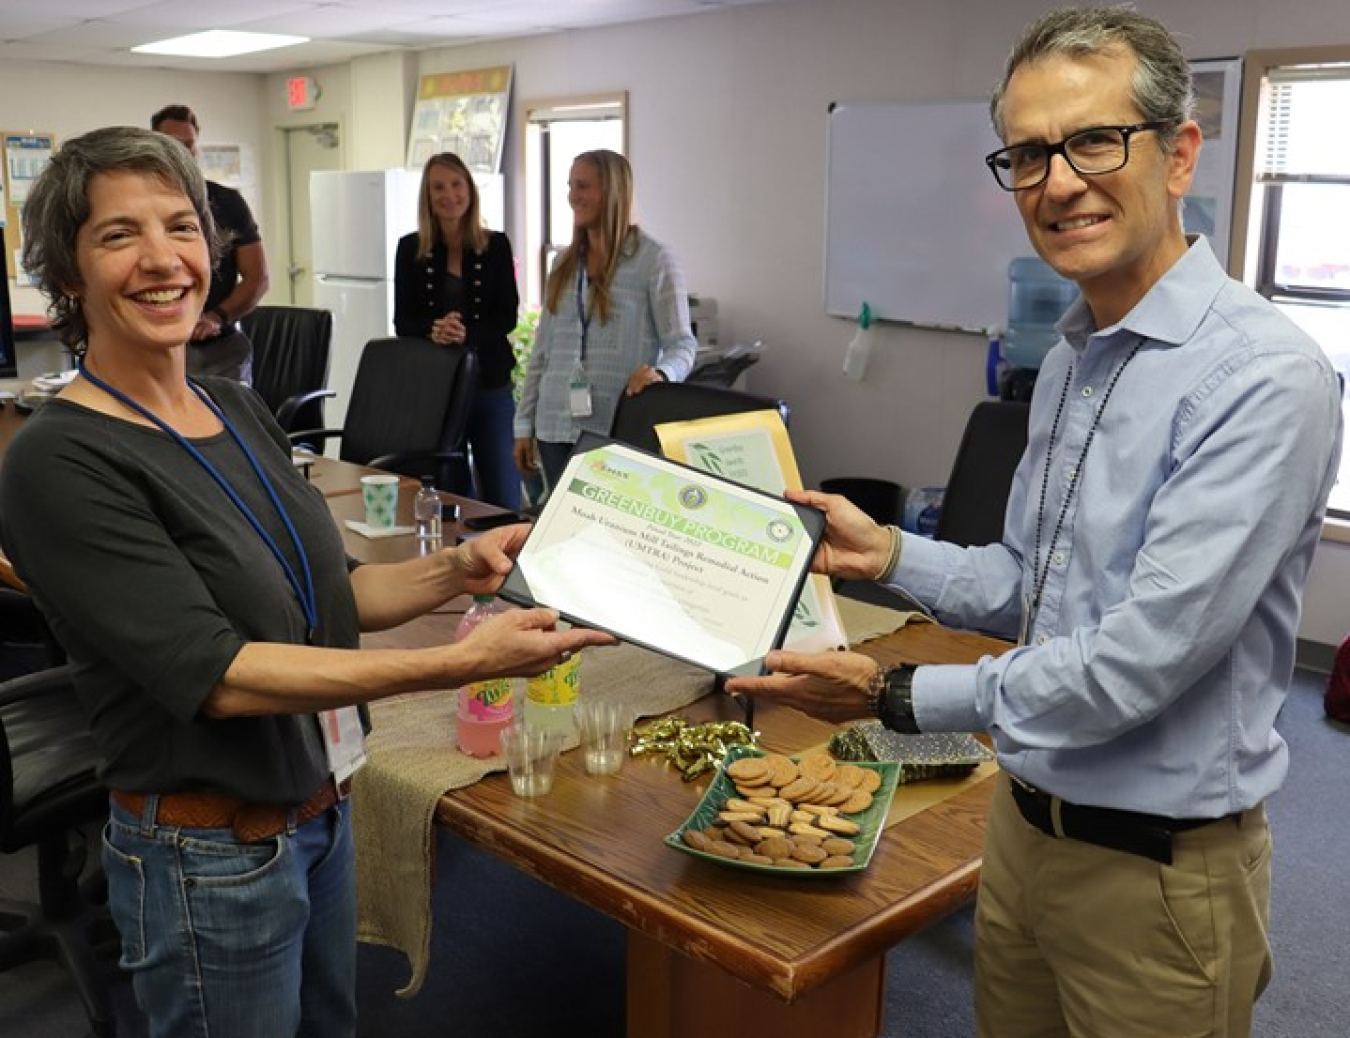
{"x":581,"y":304}
{"x":304,"y":592}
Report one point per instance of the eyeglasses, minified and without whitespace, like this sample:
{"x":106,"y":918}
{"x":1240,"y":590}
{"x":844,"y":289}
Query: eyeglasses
{"x":1102,"y":149}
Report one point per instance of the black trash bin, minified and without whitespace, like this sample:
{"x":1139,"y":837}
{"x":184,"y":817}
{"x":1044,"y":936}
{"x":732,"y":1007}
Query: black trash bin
{"x":879,"y":498}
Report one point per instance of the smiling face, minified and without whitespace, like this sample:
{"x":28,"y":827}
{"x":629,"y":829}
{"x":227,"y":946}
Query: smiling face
{"x":1115,"y":234}
{"x":449,"y":194}
{"x":584,"y":194}
{"x":144,"y":263}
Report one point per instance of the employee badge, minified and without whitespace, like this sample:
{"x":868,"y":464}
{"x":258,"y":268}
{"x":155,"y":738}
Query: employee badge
{"x":579,"y":396}
{"x":344,"y":740}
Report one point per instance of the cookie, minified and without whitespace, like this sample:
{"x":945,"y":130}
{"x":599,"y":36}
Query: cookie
{"x":837,"y":845}
{"x":861,"y":800}
{"x":782,"y":770}
{"x":810,"y":853}
{"x":871,"y":780}
{"x":818,"y":765}
{"x":851,"y":775}
{"x":695,"y":839}
{"x":749,"y":770}
{"x":839,"y":826}
{"x":774,"y":847}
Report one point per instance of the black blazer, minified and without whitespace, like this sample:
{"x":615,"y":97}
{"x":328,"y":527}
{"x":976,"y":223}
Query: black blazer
{"x":491,"y":300}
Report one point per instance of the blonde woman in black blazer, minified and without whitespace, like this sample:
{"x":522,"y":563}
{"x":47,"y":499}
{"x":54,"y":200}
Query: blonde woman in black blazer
{"x":455,"y":284}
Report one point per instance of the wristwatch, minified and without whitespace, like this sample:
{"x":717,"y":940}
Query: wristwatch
{"x":890,"y":694}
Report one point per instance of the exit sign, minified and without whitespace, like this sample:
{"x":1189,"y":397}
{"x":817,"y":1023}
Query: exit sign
{"x":302,"y":93}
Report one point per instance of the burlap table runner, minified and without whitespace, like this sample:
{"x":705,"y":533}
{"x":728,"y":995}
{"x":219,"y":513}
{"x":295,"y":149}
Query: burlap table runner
{"x":413,"y":760}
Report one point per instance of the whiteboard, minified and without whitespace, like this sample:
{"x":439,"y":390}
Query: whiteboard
{"x":915,"y":225}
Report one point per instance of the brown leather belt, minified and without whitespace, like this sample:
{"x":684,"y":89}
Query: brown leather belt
{"x":251,"y":822}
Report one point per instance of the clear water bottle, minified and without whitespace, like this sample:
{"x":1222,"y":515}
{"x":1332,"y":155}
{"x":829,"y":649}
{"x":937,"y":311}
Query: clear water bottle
{"x":427,"y":511}
{"x":1037,"y":298}
{"x":485,"y":707}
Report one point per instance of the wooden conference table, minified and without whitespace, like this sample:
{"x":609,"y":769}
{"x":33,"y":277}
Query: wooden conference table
{"x":713,"y":949}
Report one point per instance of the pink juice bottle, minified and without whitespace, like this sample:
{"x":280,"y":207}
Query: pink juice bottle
{"x":485,"y":707}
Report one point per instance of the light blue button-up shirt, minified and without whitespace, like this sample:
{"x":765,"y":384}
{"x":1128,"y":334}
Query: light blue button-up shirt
{"x":1164,"y":643}
{"x":648,"y":324}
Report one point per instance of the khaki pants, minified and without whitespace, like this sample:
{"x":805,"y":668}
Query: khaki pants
{"x":1077,"y":940}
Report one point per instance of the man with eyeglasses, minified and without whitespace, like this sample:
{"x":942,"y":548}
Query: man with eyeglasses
{"x":1184,"y":437}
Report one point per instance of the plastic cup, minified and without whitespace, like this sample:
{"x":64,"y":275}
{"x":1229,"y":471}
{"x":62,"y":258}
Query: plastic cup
{"x":603,"y":726}
{"x":380,"y":495}
{"x":531,"y":754}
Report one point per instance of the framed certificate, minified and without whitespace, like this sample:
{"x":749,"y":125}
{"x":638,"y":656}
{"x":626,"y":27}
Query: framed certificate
{"x":680,"y":561}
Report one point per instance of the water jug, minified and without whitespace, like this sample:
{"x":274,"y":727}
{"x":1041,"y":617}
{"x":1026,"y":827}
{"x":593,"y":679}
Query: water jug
{"x":1037,"y":298}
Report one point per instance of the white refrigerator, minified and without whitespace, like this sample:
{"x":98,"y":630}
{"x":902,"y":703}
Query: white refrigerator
{"x":357,"y":218}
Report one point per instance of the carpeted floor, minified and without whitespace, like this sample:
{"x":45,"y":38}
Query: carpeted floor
{"x":514,"y":959}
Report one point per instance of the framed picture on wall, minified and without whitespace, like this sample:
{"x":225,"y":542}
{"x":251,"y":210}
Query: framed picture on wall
{"x":1208,"y":208}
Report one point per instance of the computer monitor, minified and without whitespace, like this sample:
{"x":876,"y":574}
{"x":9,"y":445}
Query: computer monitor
{"x":9,"y":366}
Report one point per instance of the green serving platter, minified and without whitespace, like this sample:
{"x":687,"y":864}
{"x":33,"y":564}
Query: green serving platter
{"x":721,"y":788}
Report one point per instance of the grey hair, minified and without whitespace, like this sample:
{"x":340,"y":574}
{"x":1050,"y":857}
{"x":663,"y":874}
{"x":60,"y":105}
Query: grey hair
{"x":1162,"y":88}
{"x":58,"y":206}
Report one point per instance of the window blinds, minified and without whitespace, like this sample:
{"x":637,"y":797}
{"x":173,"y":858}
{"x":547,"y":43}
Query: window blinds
{"x":1303,"y":137}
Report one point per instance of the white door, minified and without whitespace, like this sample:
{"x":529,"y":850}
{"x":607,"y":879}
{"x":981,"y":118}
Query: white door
{"x":307,"y":148}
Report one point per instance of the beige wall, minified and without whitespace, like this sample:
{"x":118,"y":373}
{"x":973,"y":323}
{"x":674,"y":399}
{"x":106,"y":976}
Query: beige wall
{"x":727,"y":137}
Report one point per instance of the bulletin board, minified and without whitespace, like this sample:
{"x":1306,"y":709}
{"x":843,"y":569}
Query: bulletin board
{"x":915,"y":225}
{"x":25,"y":156}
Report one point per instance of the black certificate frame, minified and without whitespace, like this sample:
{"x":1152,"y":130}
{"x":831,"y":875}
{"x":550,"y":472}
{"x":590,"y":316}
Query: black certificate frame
{"x":516,"y":587}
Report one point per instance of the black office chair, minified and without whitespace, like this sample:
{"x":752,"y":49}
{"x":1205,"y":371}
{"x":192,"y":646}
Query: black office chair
{"x":290,"y":362}
{"x":636,"y":417}
{"x":977,"y":490}
{"x":50,"y":798}
{"x":26,"y":643}
{"x":409,"y":409}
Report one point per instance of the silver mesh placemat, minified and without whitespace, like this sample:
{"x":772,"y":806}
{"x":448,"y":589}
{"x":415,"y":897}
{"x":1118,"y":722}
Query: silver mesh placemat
{"x":939,"y":755}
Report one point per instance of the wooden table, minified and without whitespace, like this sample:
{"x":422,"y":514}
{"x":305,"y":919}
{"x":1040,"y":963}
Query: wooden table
{"x":713,"y":949}
{"x":349,"y":506}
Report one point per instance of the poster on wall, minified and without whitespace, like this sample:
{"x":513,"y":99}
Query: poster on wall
{"x":25,"y":156}
{"x":462,"y":112}
{"x":1208,"y":208}
{"x":233,"y":166}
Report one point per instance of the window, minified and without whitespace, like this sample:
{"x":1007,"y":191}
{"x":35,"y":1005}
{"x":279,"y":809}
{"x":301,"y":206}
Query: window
{"x":555,"y":133}
{"x":1299,"y":218}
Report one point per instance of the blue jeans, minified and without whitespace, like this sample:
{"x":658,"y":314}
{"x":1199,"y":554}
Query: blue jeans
{"x":237,"y":940}
{"x":492,"y":440}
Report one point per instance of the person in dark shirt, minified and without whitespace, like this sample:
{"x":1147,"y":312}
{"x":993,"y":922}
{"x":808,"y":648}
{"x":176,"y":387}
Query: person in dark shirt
{"x":455,"y":284}
{"x":200,"y":589}
{"x":240,"y":278}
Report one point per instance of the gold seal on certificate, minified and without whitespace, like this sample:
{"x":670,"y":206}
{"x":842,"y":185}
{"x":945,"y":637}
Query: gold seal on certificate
{"x":668,"y":557}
